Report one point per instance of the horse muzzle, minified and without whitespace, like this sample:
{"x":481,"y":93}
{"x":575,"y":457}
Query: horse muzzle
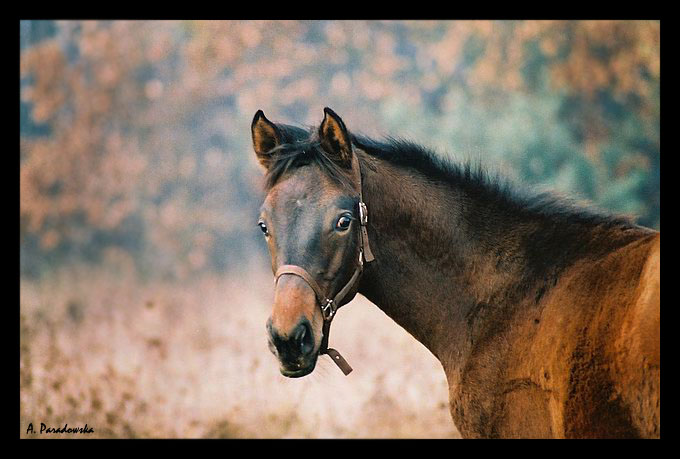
{"x":296,"y":351}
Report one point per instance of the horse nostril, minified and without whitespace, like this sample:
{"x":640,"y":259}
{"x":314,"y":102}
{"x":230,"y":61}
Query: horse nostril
{"x":304,"y":339}
{"x":301,"y":332}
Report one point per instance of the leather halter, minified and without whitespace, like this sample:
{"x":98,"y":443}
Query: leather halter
{"x":330,"y":305}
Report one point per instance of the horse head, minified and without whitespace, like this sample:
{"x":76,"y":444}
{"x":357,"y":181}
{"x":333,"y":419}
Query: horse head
{"x":312,"y":219}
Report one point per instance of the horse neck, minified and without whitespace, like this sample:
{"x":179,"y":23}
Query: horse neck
{"x":441,"y":253}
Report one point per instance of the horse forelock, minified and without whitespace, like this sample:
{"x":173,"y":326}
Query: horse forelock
{"x":301,"y":148}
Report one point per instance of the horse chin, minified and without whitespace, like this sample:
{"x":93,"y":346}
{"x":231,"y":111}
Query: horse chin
{"x":298,"y":371}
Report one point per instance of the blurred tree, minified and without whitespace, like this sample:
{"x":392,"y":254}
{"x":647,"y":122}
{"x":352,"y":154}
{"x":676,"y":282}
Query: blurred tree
{"x":135,"y":134}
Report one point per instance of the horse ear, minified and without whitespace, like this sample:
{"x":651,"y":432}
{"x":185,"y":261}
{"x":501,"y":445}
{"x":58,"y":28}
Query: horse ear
{"x":335,"y":139}
{"x":266,"y":136}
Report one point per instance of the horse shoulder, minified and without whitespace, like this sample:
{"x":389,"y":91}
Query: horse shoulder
{"x":637,"y":348}
{"x":580,"y":353}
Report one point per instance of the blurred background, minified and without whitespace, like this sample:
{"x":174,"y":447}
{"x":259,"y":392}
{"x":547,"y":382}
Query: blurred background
{"x":144,"y":281}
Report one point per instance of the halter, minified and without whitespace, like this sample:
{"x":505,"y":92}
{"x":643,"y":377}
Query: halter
{"x":329,"y":306}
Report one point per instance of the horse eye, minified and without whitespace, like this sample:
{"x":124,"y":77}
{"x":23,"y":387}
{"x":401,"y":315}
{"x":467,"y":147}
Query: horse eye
{"x":263,"y":227}
{"x":343,"y":223}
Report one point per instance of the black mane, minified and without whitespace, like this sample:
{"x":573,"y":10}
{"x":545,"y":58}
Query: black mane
{"x":301,"y":147}
{"x":477,"y":181}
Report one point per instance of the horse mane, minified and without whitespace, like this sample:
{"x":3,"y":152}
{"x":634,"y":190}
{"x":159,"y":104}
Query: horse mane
{"x":489,"y":188}
{"x":301,"y":147}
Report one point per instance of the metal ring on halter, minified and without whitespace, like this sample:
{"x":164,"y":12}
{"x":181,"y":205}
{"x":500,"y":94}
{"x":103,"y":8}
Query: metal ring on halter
{"x":329,"y":309}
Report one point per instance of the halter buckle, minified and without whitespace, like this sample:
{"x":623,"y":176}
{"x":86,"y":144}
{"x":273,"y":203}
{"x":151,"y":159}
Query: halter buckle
{"x":328,"y":310}
{"x":363,"y":213}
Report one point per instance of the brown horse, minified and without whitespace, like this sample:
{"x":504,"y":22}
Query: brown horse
{"x":544,"y":315}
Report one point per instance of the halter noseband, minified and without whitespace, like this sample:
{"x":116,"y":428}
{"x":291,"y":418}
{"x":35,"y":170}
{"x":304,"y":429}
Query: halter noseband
{"x":329,"y":306}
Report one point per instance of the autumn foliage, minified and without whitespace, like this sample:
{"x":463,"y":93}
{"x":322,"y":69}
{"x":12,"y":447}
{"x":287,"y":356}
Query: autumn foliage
{"x":135,"y":144}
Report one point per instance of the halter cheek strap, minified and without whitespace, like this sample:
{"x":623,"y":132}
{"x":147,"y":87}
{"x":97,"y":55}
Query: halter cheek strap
{"x":329,"y":306}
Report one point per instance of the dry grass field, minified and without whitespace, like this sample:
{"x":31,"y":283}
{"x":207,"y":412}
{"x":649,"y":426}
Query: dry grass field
{"x":190,"y":360}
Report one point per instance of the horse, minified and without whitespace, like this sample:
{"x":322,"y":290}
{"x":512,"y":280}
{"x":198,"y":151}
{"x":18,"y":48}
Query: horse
{"x":544,"y":313}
